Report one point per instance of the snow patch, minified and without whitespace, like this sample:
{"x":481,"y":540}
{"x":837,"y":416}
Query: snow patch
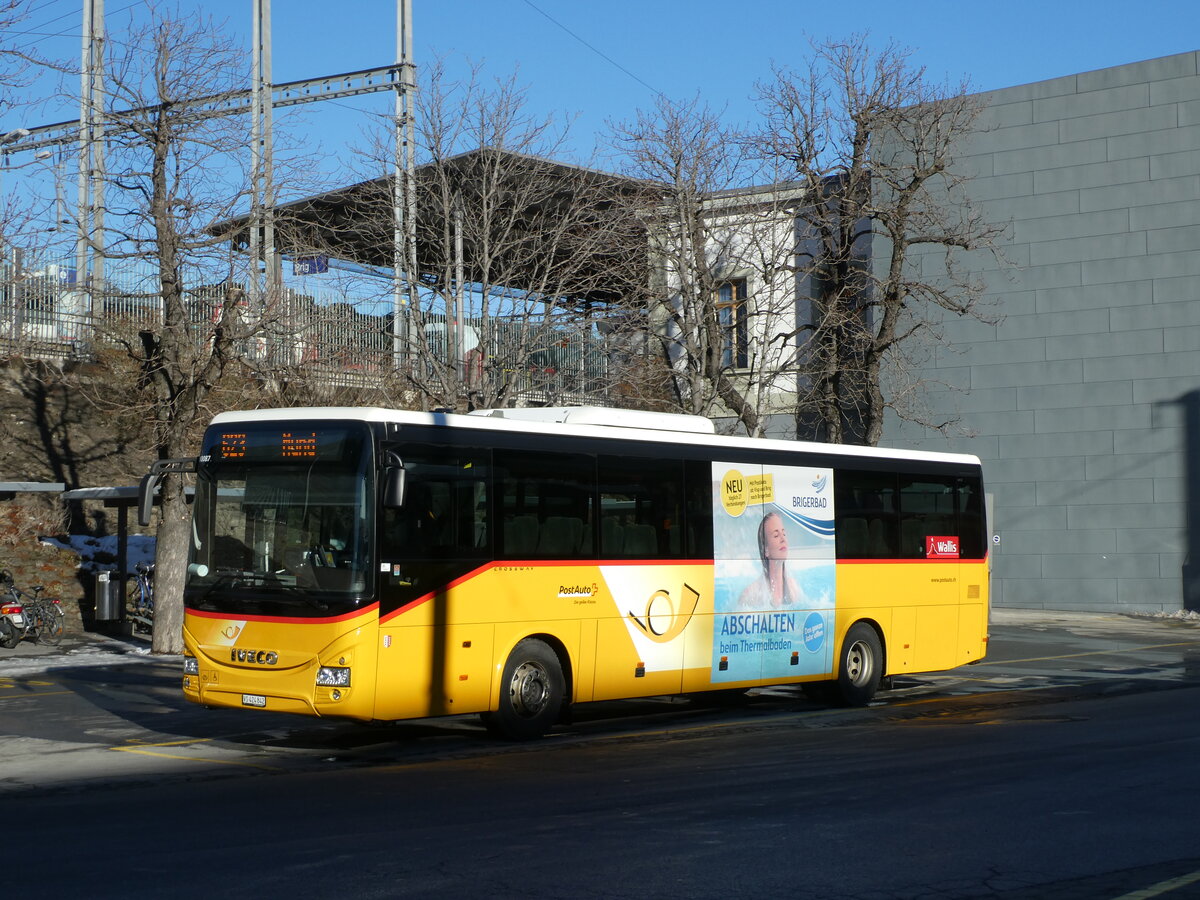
{"x":89,"y":657}
{"x":99,"y":554}
{"x":1182,"y":615}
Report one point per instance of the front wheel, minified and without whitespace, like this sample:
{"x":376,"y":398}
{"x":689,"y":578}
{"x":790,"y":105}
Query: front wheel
{"x":531,"y":692}
{"x":860,"y":666}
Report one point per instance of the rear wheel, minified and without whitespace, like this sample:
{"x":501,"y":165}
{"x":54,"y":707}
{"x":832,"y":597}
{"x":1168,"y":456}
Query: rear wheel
{"x":52,"y":623}
{"x":10,"y":636}
{"x":860,"y":666}
{"x":531,"y":692}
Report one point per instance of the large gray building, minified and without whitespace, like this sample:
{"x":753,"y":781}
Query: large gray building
{"x":1083,"y":399}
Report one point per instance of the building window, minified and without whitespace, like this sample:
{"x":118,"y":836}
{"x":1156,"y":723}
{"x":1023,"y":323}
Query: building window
{"x":731,"y":313}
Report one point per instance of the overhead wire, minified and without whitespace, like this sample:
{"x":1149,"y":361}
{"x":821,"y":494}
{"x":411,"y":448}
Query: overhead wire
{"x":36,"y":29}
{"x":593,"y":48}
{"x":68,"y":32}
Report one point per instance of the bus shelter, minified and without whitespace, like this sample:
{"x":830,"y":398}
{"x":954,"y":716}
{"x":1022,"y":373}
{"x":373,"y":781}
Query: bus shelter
{"x":122,"y":499}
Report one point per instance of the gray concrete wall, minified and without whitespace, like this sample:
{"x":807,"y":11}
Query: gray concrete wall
{"x":1072,"y":397}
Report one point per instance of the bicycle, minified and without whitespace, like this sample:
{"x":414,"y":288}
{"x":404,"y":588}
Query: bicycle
{"x":48,"y":618}
{"x":141,"y":598}
{"x":44,"y":618}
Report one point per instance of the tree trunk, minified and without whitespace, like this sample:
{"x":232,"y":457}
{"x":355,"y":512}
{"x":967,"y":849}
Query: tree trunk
{"x":170,"y":567}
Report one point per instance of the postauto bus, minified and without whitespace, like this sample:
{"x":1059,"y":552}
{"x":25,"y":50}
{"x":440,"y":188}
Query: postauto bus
{"x":381,"y":565}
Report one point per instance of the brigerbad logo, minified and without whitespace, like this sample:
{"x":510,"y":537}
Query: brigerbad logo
{"x":813,"y":500}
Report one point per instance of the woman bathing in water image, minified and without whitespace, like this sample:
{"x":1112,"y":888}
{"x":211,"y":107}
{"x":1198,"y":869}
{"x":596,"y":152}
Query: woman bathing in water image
{"x":775,"y":589}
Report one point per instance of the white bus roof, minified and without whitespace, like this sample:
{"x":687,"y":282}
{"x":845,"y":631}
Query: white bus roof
{"x":552,"y":421}
{"x":603,"y":415}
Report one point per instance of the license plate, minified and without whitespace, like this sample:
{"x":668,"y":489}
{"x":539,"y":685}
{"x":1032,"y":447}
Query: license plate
{"x":254,"y":700}
{"x":17,"y":620}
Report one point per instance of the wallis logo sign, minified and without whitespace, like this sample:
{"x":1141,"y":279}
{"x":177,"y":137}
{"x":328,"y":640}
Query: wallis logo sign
{"x":940,"y":547}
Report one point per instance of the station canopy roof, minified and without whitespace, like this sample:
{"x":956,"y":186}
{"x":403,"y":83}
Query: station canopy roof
{"x":545,"y":226}
{"x":9,"y":489}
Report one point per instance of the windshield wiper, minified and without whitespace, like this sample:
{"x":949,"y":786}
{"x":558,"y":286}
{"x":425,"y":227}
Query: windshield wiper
{"x":295,"y":593}
{"x":235,"y":578}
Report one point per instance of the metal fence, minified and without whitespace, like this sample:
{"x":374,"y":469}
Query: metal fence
{"x":45,"y":313}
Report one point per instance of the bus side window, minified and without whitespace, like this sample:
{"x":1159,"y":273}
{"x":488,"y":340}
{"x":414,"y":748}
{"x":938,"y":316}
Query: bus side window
{"x":927,"y":509}
{"x":544,"y":501}
{"x":866,"y":515}
{"x":971,"y":530}
{"x":641,"y":508}
{"x":445,"y":512}
{"x":698,"y":481}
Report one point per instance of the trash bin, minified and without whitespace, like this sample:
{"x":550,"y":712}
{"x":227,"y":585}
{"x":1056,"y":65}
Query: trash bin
{"x":108,"y":598}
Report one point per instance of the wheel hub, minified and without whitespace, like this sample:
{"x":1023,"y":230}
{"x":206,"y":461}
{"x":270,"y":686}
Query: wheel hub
{"x":530,"y":689}
{"x":859,"y":663}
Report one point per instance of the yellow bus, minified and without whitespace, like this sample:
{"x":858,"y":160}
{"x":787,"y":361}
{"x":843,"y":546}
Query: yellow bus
{"x":382,"y":565}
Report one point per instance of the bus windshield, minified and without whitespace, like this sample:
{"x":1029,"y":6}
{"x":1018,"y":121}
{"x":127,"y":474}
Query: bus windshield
{"x":282,"y":523}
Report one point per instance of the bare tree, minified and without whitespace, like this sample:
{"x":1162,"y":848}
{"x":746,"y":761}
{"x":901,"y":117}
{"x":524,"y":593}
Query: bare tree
{"x":518,"y":245}
{"x":718,"y":299}
{"x":174,"y":172}
{"x":515,"y":254}
{"x":873,"y":143}
{"x":19,"y":62}
{"x":20,"y":205}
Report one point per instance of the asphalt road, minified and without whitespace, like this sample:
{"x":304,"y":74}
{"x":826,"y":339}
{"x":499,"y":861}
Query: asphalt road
{"x":1062,"y":766}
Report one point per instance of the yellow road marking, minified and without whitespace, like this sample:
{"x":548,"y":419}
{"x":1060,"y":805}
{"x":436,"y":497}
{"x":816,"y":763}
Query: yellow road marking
{"x":182,"y":743}
{"x":1009,"y":662}
{"x":144,"y":749}
{"x":1163,"y":887}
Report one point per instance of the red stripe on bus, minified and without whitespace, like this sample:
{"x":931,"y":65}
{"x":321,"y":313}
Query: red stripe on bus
{"x":291,"y":620}
{"x":425,"y":598}
{"x":648,"y":562}
{"x":891,"y":561}
{"x":536,"y":563}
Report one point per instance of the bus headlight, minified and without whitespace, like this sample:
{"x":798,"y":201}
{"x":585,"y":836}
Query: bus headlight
{"x":191,"y":666}
{"x":333,"y":676}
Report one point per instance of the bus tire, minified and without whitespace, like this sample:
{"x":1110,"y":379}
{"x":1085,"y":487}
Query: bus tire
{"x":531,"y":692}
{"x":860,"y":666}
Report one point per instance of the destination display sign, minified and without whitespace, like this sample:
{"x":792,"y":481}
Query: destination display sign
{"x":290,"y":444}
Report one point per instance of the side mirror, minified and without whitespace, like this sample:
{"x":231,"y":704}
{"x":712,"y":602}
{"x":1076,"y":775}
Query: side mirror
{"x":393,"y":487}
{"x":145,"y":505}
{"x":148,"y":486}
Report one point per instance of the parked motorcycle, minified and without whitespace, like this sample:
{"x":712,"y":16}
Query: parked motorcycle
{"x":12,"y":623}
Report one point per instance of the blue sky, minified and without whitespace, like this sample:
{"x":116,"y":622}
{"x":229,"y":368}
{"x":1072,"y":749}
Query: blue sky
{"x":601,"y":60}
